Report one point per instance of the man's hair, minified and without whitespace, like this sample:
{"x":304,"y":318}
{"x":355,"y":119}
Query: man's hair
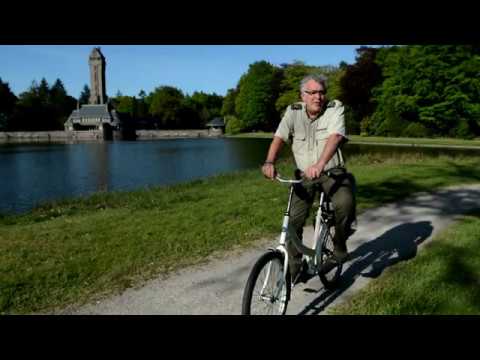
{"x":319,"y":78}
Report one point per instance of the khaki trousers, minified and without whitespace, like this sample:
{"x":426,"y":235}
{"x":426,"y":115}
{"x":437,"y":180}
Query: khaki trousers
{"x":340,"y":188}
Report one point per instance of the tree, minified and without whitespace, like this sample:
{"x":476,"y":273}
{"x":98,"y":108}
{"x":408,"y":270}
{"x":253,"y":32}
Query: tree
{"x":127,"y":105}
{"x":258,"y":91}
{"x":294,"y":73}
{"x":7,"y":105}
{"x":228,"y":106}
{"x":206,"y":106}
{"x":356,"y":85}
{"x":60,"y":105}
{"x":166,"y":105}
{"x":436,"y":86}
{"x":84,"y":95}
{"x":142,"y":106}
{"x":42,"y":108}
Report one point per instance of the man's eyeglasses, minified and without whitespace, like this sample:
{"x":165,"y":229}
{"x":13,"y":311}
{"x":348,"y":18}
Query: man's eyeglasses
{"x":315,"y":92}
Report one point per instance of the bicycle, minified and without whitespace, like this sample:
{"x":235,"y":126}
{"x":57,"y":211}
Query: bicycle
{"x":270,"y":283}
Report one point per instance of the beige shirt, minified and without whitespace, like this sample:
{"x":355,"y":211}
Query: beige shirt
{"x":310,"y":137}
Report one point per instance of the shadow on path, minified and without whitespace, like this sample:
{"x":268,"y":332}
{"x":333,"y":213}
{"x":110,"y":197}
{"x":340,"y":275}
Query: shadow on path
{"x":371,"y":258}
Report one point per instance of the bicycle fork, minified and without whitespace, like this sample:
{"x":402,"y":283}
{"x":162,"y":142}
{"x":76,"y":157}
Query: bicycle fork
{"x":282,"y":249}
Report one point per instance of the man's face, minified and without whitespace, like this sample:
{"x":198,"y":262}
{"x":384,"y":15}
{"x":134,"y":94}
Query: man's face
{"x":313,"y":95}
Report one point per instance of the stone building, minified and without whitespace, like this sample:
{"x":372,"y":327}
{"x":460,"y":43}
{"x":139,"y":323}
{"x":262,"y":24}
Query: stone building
{"x":216,"y":127}
{"x":98,"y":114}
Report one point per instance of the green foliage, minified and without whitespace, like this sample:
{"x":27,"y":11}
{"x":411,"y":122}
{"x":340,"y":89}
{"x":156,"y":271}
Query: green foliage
{"x":84,"y":95}
{"x":355,"y":87}
{"x":203,"y":107}
{"x":415,"y":130}
{"x":435,"y":85}
{"x":126,"y":105}
{"x":295,"y":72}
{"x":166,"y":104}
{"x":228,"y":106}
{"x":393,"y":124}
{"x":7,"y":104}
{"x":7,"y":98}
{"x":255,"y":103}
{"x":42,"y":108}
{"x":233,"y":125}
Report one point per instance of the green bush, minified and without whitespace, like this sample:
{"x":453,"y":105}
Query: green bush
{"x":462,"y":130}
{"x":416,"y":130}
{"x":234,"y":125}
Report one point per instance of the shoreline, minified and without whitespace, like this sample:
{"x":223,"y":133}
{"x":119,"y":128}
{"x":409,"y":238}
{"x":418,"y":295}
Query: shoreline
{"x":97,"y":136}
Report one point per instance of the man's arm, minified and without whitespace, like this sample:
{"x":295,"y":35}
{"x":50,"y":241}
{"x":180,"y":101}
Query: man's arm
{"x":315,"y":170}
{"x":268,"y":167}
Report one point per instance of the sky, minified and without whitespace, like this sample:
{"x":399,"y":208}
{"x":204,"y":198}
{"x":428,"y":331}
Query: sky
{"x":131,"y":68}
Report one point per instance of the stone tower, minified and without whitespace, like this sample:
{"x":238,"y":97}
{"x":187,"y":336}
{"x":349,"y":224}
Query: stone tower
{"x":97,"y":77}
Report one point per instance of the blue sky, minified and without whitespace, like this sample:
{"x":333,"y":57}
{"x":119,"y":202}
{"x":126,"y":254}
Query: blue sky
{"x":131,"y":68}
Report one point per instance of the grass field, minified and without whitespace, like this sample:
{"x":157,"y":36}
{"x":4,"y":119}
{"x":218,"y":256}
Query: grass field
{"x":357,"y":139}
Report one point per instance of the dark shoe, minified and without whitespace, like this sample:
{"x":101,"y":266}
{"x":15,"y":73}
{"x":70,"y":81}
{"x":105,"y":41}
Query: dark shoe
{"x":338,"y":257}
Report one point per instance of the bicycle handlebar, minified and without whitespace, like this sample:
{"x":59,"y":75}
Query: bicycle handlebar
{"x":300,"y":174}
{"x":289,"y":181}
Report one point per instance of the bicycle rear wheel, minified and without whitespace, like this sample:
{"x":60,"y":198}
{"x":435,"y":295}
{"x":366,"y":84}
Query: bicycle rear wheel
{"x":330,"y":276}
{"x":267,"y":292}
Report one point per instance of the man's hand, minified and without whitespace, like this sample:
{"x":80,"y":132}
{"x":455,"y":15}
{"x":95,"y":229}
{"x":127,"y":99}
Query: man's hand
{"x":314,"y":171}
{"x":269,"y":171}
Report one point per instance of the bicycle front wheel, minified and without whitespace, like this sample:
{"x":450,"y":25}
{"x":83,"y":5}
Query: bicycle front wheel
{"x":330,"y":270}
{"x":267,"y":291}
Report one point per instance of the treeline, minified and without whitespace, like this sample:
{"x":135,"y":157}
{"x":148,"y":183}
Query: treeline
{"x":40,"y":108}
{"x":167,"y":108}
{"x":43,"y":107}
{"x":264,"y":92}
{"x":412,"y":91}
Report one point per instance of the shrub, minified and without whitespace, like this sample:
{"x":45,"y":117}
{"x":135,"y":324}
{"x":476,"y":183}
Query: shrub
{"x":415,"y":130}
{"x":234,"y":125}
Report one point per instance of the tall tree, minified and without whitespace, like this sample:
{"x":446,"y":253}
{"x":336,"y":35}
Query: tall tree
{"x":356,"y":87}
{"x":435,"y":88}
{"x":84,"y":95}
{"x":166,"y":105}
{"x":7,"y":105}
{"x":255,"y":103}
{"x":61,"y":105}
{"x":228,"y":106}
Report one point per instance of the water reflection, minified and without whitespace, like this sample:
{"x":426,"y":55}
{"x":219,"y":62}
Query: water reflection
{"x":34,"y":173}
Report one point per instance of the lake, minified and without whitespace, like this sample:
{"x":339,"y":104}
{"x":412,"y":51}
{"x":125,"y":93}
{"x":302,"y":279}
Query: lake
{"x":34,"y":173}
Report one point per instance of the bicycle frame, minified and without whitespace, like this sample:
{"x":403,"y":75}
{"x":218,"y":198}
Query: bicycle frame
{"x":311,"y":254}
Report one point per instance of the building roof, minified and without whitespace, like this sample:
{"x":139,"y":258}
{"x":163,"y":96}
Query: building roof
{"x":97,"y":53}
{"x":216,"y":122}
{"x":92,"y":111}
{"x":93,"y":114}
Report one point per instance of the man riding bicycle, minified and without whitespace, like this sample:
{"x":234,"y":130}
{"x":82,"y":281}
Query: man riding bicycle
{"x":317,"y":130}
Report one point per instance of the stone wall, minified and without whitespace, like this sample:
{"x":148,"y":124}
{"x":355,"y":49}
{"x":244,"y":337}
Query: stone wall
{"x":165,"y":134}
{"x":95,"y":135}
{"x":49,"y":136}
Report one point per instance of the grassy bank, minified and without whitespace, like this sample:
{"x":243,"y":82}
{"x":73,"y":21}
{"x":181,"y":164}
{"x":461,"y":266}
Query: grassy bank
{"x":357,"y":139}
{"x":77,"y":250}
{"x":414,"y":141}
{"x":443,"y":280}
